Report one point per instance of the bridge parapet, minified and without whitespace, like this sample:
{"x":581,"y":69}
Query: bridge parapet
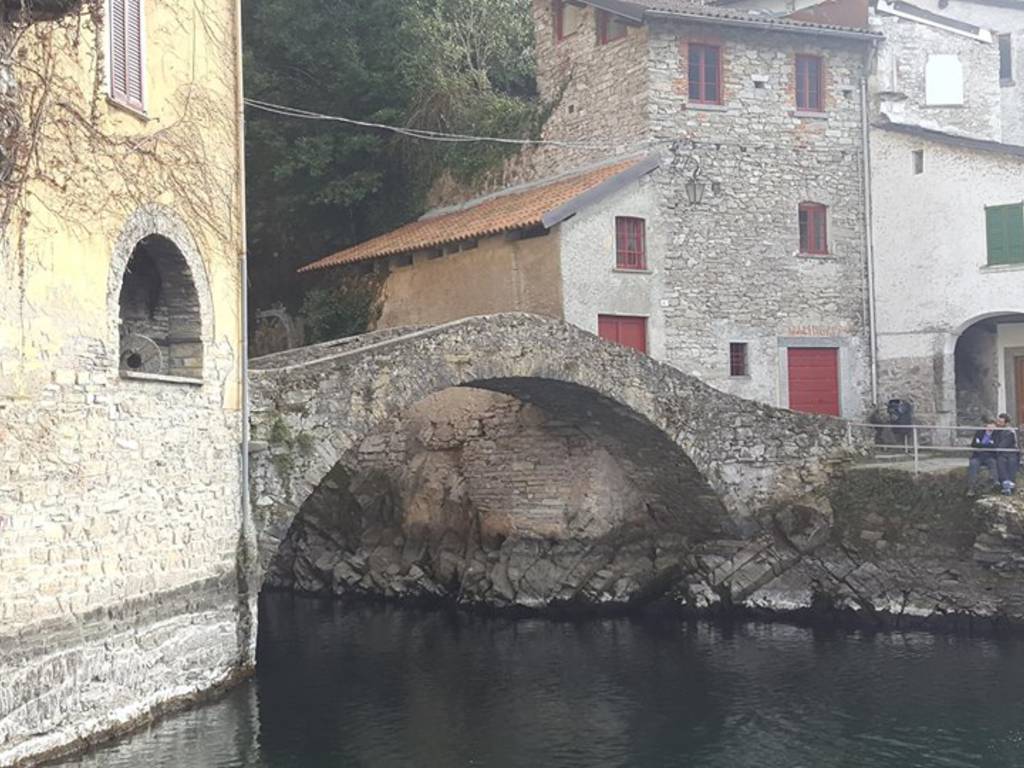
{"x":712,"y":457}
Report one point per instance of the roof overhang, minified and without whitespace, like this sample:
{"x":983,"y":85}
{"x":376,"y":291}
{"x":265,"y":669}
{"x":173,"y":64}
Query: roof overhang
{"x":904,"y":10}
{"x":766,"y":24}
{"x":602,"y":190}
{"x":951,"y":139}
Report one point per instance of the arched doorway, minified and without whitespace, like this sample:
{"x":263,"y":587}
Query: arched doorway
{"x":988,"y":361}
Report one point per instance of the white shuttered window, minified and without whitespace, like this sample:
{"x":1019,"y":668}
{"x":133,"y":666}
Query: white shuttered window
{"x":126,"y":76}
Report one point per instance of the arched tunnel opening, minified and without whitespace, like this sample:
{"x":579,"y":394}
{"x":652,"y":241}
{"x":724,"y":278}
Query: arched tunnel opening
{"x":511,"y":493}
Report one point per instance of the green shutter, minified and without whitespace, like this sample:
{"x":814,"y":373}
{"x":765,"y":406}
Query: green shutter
{"x":1004,"y":228}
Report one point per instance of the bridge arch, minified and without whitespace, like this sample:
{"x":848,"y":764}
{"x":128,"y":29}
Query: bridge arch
{"x":312,"y":405}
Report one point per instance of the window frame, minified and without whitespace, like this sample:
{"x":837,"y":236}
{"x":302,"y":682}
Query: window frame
{"x":702,"y":81}
{"x":1005,"y":45}
{"x":116,"y":95}
{"x":1011,"y":258}
{"x":627,"y":259}
{"x":739,"y":359}
{"x":810,"y":245}
{"x":603,"y":20}
{"x":558,"y":8}
{"x":805,"y":80}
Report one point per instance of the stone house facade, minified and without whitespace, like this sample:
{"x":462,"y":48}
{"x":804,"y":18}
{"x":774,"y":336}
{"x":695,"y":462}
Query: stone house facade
{"x":755,"y":213}
{"x":121,"y":348}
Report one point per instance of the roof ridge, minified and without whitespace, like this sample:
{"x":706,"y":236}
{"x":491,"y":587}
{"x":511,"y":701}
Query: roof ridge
{"x":433,"y":213}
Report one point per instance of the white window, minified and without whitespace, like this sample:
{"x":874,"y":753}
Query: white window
{"x":944,"y":81}
{"x":126,"y":60}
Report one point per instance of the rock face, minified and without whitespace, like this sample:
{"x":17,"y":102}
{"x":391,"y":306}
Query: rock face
{"x":483,"y":499}
{"x":480,"y":500}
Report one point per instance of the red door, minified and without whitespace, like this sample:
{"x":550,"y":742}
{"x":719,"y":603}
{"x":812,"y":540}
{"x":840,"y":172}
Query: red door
{"x":623,"y":329}
{"x":814,"y":380}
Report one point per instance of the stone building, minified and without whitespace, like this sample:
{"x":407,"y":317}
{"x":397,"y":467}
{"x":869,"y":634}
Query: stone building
{"x":120,"y":365}
{"x":755,"y":211}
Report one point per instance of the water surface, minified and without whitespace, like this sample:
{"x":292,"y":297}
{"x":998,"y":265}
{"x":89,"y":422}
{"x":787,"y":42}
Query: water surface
{"x":342,"y":686}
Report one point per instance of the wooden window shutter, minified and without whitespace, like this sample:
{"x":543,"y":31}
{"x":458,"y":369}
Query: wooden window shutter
{"x":133,"y":51}
{"x":118,"y":62}
{"x":126,"y":75}
{"x":1004,"y":231}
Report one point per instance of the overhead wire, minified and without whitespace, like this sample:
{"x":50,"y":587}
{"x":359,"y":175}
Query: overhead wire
{"x":423,"y":134}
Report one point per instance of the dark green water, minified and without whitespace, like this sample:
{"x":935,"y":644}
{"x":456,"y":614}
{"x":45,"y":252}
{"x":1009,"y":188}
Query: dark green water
{"x":380,"y":686}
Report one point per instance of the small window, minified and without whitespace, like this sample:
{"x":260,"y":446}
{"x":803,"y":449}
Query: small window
{"x":1005,"y":59}
{"x":610,"y":27}
{"x":630,"y":243}
{"x":126,"y":61}
{"x":568,"y":18}
{"x":813,"y":229}
{"x":704,"y":73}
{"x":918,"y":160}
{"x":738,"y":358}
{"x":943,"y":81}
{"x":809,"y":91}
{"x":1004,"y":230}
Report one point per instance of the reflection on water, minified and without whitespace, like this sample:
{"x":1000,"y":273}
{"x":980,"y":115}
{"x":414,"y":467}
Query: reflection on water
{"x":384,"y":686}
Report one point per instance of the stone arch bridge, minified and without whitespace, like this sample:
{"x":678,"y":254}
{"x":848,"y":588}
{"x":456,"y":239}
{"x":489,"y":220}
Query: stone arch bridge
{"x":712,"y":459}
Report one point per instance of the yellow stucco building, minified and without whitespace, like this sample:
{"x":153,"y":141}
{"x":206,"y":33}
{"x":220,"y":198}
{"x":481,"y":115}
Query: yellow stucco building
{"x":121,"y":364}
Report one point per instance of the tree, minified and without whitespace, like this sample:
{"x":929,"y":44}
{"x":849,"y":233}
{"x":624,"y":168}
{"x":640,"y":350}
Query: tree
{"x":462,"y":66}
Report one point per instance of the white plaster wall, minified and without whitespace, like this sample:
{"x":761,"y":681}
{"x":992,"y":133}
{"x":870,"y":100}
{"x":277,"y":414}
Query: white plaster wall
{"x":929,"y":235}
{"x":932,"y":277}
{"x":592,"y":285}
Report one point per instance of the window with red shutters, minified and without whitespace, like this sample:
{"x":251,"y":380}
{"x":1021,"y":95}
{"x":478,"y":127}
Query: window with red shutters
{"x":627,"y":330}
{"x":809,"y":91}
{"x":609,"y":27}
{"x":126,"y":72}
{"x":630,"y":243}
{"x":704,"y":73}
{"x":813,"y":228}
{"x":738,"y":358}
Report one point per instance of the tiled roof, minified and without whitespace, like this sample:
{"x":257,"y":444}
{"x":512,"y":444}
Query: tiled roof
{"x":515,"y":208}
{"x":712,"y":13}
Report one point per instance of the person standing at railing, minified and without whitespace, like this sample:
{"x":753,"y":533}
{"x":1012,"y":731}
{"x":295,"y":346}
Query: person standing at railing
{"x":1007,"y":459}
{"x":984,"y":455}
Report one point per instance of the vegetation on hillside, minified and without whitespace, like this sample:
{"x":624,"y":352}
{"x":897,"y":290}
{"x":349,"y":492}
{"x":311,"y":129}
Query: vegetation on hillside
{"x":460,"y":66}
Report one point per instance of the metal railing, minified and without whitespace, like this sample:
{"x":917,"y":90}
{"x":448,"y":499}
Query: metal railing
{"x":935,"y":443}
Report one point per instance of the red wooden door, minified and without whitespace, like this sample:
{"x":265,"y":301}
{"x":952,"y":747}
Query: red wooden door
{"x":623,"y":329}
{"x":814,"y":380}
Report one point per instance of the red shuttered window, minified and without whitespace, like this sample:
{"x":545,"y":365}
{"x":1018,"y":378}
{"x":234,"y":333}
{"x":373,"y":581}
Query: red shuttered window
{"x":629,"y":331}
{"x":809,"y":91}
{"x":704,"y":73}
{"x":813,"y":228}
{"x":630,"y":243}
{"x":126,"y":73}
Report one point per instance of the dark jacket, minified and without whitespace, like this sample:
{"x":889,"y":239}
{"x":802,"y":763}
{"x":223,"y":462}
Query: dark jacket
{"x":1006,"y":437}
{"x":983,"y":444}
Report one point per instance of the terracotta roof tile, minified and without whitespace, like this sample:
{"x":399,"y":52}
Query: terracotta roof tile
{"x":517,"y":208}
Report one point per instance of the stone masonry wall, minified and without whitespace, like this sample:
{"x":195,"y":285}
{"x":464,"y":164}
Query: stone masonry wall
{"x":733,"y":270}
{"x":598,"y":93}
{"x":900,"y":82}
